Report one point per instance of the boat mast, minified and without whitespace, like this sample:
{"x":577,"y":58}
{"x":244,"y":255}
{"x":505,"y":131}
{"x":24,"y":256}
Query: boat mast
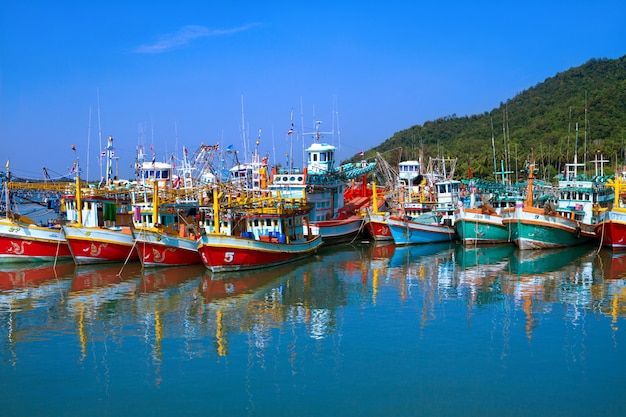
{"x":7,"y":203}
{"x":88,"y":142}
{"x":99,"y":131}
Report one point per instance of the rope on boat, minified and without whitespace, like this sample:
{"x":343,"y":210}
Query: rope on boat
{"x":56,"y":255}
{"x":359,"y":232}
{"x":601,"y":240}
{"x":130,"y":252}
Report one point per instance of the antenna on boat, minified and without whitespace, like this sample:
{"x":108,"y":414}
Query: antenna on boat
{"x":99,"y":130}
{"x":88,"y":142}
{"x":493,"y":147}
{"x":243,"y":130}
{"x":585,"y":147}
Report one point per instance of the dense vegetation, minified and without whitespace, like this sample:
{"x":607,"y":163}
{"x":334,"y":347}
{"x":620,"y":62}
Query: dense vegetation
{"x":538,"y":123}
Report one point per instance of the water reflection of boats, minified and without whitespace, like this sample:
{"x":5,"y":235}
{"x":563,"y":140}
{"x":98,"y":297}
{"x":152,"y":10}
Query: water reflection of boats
{"x":218,"y":286}
{"x":98,"y":283}
{"x":382,"y":250}
{"x":468,"y":256}
{"x":25,"y":288}
{"x":404,"y":255}
{"x":164,"y":278}
{"x":545,"y":260}
{"x":19,"y":275}
{"x":612,"y":263}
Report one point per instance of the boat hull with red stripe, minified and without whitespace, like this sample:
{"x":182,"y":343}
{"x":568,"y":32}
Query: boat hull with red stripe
{"x":222,"y":253}
{"x":25,"y":242}
{"x":377,"y":227}
{"x":93,"y":245}
{"x":611,"y":228}
{"x":157,"y":248}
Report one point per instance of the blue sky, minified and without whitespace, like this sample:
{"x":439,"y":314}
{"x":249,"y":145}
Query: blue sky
{"x":175,"y":74}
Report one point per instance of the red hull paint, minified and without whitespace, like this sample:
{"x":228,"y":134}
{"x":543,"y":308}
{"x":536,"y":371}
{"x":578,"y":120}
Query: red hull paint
{"x":613,"y":234}
{"x":218,"y":257}
{"x":379,"y":231}
{"x":88,"y":252}
{"x":160,"y":255}
{"x":33,"y":250}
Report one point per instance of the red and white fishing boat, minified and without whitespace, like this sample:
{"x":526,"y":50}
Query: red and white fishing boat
{"x":335,"y":208}
{"x":610,"y":225}
{"x":160,"y":245}
{"x":98,"y":228}
{"x":22,"y":240}
{"x":98,"y":220}
{"x":376,"y":220}
{"x":256,"y":233}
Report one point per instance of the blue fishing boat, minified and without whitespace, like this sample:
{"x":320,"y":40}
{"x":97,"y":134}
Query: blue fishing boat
{"x":426,"y":228}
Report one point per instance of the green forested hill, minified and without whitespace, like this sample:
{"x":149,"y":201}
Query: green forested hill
{"x":539,"y":122}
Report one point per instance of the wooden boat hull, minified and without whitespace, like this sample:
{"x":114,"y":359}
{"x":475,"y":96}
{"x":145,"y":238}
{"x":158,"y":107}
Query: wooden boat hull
{"x":407,"y":232}
{"x":94,"y":245}
{"x":475,"y":227}
{"x":221,"y":253}
{"x":159,"y":249}
{"x":22,"y":242}
{"x":532,"y":229}
{"x":338,"y":231}
{"x":376,"y":226}
{"x":611,"y":230}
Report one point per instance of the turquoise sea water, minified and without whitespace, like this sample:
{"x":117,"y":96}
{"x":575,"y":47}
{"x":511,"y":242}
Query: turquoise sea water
{"x":363,"y":330}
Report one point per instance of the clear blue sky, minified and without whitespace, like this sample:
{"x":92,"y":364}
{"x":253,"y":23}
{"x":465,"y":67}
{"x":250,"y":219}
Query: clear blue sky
{"x":173,"y":74}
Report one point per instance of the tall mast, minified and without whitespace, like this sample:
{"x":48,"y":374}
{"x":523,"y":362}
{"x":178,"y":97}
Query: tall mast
{"x":493,"y":147}
{"x":99,"y":132}
{"x":585,"y":148}
{"x":88,"y":143}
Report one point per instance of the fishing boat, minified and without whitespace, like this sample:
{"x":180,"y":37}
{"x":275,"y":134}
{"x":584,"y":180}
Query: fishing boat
{"x":426,"y":228}
{"x":375,"y":220}
{"x":533,"y":227}
{"x":98,"y":220}
{"x":334,"y":208}
{"x":480,"y":225}
{"x":98,"y":228}
{"x":610,"y":225}
{"x":161,"y":245}
{"x":256,"y":232}
{"x":23,"y":240}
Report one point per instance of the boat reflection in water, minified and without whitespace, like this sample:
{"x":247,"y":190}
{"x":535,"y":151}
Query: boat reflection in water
{"x":15,"y":276}
{"x":612,"y":263}
{"x":23,"y":288}
{"x":542,"y":261}
{"x":101,"y":282}
{"x":345,"y":316}
{"x":252,"y":301}
{"x":468,"y":256}
{"x":164,"y":279}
